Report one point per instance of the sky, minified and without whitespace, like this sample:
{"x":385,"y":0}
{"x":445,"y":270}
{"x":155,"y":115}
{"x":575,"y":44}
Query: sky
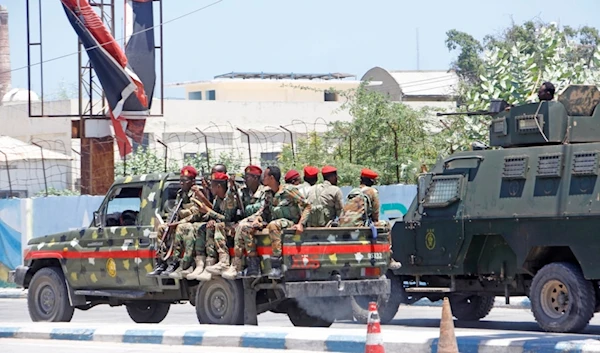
{"x":316,"y":36}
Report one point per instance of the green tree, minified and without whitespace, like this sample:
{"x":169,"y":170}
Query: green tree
{"x":516,"y":64}
{"x":379,"y":131}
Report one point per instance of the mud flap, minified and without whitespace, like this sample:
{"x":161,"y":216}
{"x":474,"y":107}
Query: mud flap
{"x":250,"y":313}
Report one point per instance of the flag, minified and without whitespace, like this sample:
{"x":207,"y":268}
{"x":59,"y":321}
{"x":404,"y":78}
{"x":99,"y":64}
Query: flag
{"x":117,"y":78}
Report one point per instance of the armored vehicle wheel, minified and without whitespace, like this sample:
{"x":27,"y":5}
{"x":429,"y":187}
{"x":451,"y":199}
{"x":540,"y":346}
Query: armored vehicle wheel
{"x":562,"y":300}
{"x":471,"y":308}
{"x":147,"y":312}
{"x":47,"y":298}
{"x":387,"y":309}
{"x":300,"y":318}
{"x":220,"y":301}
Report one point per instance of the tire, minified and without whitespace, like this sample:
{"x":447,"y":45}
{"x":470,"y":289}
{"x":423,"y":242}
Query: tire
{"x":147,"y":312}
{"x":471,"y":308}
{"x":47,"y":297}
{"x":300,"y":318}
{"x":551,"y":286}
{"x":387,"y":309}
{"x":220,"y":302}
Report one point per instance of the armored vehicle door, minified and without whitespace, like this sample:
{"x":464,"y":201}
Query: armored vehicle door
{"x":111,"y":242}
{"x":440,"y":235}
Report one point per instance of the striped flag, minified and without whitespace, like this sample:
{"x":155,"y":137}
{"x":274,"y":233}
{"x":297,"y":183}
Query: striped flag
{"x":122,"y":87}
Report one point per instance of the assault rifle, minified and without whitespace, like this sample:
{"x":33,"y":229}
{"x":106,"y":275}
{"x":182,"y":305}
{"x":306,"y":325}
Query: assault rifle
{"x":496,"y":106}
{"x":241,"y":213}
{"x":166,"y":233}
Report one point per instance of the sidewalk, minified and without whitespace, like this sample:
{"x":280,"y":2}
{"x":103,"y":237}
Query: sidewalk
{"x":313,"y":339}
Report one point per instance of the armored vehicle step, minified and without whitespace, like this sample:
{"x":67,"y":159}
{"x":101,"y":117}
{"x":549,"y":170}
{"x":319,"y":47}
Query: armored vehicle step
{"x":112,"y":293}
{"x":428,"y":290}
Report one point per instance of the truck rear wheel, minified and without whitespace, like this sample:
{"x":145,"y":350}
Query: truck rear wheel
{"x":471,"y":308}
{"x":47,"y":297}
{"x":387,"y":309}
{"x":147,"y":312}
{"x":221,"y":302}
{"x":562,"y":300}
{"x":300,"y":318}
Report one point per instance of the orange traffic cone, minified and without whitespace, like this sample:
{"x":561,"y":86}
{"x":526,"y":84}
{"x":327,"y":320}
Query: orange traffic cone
{"x":374,"y":339}
{"x":447,"y":341}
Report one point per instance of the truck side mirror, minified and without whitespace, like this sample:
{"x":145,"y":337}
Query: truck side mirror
{"x":97,"y":222}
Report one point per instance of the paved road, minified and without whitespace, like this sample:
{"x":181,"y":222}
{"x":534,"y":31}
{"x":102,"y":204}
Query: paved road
{"x":407,"y":318}
{"x":48,"y":346}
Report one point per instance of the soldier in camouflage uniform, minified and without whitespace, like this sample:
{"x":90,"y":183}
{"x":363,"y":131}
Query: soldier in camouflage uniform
{"x":253,"y":197}
{"x":362,"y":208}
{"x":326,"y":199}
{"x":288,"y":209}
{"x":189,"y":216}
{"x":292,"y":177}
{"x":311,"y":175}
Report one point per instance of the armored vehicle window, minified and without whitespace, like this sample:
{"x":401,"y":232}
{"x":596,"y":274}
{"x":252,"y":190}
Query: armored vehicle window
{"x":123,"y":206}
{"x":443,"y":191}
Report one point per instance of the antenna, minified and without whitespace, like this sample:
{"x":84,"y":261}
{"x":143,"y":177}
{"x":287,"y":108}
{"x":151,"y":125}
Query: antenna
{"x":417,"y":48}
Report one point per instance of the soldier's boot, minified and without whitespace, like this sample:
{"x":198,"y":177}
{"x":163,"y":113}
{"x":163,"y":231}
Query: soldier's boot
{"x":234,"y":270}
{"x":219,"y":267}
{"x":275,"y":272}
{"x":205,"y":276}
{"x":253,"y":266}
{"x":158,"y":269}
{"x":199,"y":268}
{"x":182,"y":270}
{"x":171,"y":268}
{"x":394,"y":265}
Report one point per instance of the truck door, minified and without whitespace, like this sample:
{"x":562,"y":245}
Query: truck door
{"x":111,"y":243}
{"x":440,"y":236}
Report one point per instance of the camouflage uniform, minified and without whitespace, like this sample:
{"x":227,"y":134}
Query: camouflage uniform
{"x":327,"y":200}
{"x":224,"y":212}
{"x":304,"y":188}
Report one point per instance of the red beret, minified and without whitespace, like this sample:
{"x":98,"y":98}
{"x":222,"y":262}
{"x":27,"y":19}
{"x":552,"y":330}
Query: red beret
{"x":189,"y":171}
{"x":291,"y":174}
{"x":219,"y":176}
{"x":310,"y":171}
{"x":252,"y":169}
{"x":368,"y":173}
{"x":328,"y":169}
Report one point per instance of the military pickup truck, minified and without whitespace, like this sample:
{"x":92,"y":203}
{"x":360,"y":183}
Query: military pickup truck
{"x":108,"y":263}
{"x":516,"y":220}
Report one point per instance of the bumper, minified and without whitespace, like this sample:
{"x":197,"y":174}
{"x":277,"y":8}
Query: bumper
{"x":337,"y":289}
{"x":18,"y":275}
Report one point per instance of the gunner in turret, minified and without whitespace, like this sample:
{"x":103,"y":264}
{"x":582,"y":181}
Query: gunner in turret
{"x":546,"y":91}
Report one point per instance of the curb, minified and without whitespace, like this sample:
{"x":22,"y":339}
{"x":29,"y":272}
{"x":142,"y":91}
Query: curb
{"x":13,"y":293}
{"x":311,"y":339}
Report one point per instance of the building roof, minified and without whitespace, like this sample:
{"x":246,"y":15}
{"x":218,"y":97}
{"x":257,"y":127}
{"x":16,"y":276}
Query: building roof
{"x":17,"y":150}
{"x":286,"y":76}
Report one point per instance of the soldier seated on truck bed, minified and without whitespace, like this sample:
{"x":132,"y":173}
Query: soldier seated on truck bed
{"x":288,"y":209}
{"x":362,"y":208}
{"x":326,"y":199}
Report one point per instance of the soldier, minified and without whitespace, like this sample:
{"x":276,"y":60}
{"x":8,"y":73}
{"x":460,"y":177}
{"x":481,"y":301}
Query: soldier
{"x":546,"y":92}
{"x":253,"y":197}
{"x":189,"y":215}
{"x":217,"y":168}
{"x":326,"y":199}
{"x":292,"y":177}
{"x":310,"y":178}
{"x":362,"y":208}
{"x":288,"y":210}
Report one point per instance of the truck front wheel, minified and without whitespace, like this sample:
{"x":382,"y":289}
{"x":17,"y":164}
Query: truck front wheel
{"x":471,"y":308}
{"x":221,"y":302}
{"x":562,"y":300}
{"x":47,"y":298}
{"x":147,"y":312}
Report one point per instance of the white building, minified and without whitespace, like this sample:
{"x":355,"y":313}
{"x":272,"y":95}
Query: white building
{"x":249,"y":114}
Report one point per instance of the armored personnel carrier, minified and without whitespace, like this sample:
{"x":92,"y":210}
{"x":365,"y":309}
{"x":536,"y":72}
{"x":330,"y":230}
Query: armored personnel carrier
{"x":517,"y":218}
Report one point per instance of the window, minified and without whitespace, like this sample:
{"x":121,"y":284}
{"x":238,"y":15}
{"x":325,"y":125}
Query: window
{"x":211,"y":95}
{"x":195,"y":96}
{"x":269,"y":158}
{"x":123,"y":207}
{"x":443,"y":191}
{"x":331,"y":96}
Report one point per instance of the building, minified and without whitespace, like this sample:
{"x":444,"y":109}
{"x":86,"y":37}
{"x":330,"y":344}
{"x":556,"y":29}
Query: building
{"x":247,"y":116}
